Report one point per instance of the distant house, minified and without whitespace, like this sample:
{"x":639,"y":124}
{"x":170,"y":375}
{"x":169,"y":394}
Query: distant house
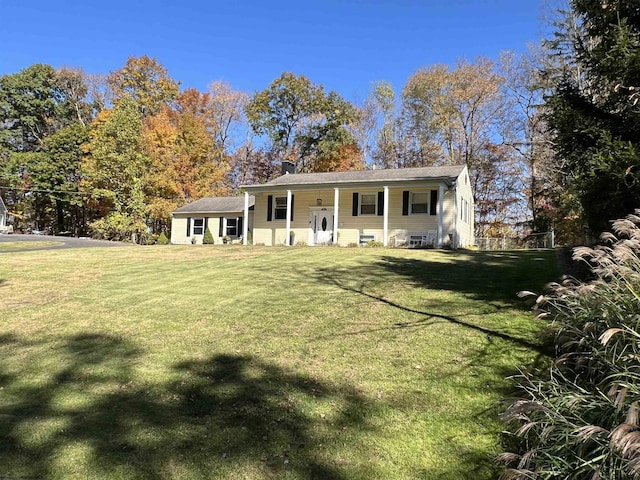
{"x":224,"y":216}
{"x":430,"y":206}
{"x":4,"y":213}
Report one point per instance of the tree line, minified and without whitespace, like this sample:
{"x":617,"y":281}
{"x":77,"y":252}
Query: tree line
{"x":550,"y":136}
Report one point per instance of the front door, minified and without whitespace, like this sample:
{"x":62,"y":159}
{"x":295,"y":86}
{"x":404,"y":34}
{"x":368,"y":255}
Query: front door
{"x":321,"y":225}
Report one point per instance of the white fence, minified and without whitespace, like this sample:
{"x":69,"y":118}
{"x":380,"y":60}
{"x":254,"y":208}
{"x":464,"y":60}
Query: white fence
{"x":533,"y":240}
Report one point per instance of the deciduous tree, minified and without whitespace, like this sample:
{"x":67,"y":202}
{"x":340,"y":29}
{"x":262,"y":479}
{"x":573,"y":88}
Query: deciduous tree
{"x":458,"y":117}
{"x":116,"y":171}
{"x":302,"y":122}
{"x":186,"y":164}
{"x":42,"y":118}
{"x":146,"y":82}
{"x":225,"y":113}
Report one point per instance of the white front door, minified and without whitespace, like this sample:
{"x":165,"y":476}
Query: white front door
{"x":321,"y":226}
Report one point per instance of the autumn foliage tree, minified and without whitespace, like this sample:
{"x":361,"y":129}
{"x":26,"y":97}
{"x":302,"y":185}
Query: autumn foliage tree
{"x":186,"y":164}
{"x":145,"y":81}
{"x":459,"y":116}
{"x":116,"y":171}
{"x":304,"y":124}
{"x":224,"y":113}
{"x":136,"y":147}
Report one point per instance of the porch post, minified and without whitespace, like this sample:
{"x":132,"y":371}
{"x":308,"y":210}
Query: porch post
{"x":245,"y":222}
{"x":441,"y":215}
{"x":385,"y":218}
{"x":336,"y":199}
{"x":287,"y":240}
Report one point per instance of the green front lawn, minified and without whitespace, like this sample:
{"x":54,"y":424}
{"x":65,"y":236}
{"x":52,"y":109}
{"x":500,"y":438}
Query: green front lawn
{"x":28,"y":245}
{"x":241,"y":363}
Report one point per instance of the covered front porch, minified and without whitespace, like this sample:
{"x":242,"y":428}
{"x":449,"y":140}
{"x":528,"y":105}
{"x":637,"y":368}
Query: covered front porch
{"x":348,"y":215}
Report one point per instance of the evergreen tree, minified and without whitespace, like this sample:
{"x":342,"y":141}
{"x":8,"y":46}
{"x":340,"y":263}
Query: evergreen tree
{"x":208,"y":237}
{"x":162,"y":239}
{"x":593,"y":112}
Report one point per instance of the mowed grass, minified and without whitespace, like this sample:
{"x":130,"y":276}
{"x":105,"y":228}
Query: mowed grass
{"x":241,"y":363}
{"x":8,"y":246}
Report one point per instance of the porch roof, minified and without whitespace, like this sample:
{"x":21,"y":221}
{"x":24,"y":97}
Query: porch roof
{"x":446,"y":174}
{"x":216,"y":205}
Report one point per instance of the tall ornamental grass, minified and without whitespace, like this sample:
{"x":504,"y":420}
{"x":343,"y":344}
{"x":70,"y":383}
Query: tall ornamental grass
{"x":578,"y":417}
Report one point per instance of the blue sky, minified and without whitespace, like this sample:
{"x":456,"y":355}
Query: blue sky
{"x":346,"y":45}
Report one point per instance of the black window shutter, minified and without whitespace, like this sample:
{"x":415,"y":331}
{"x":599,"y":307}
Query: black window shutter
{"x":206,"y":224}
{"x":405,"y":202}
{"x":240,"y":230}
{"x":269,"y":208}
{"x":188,"y":226}
{"x":433,"y":208}
{"x":292,"y":206}
{"x":220,"y":225}
{"x":380,"y":203}
{"x":354,"y":209}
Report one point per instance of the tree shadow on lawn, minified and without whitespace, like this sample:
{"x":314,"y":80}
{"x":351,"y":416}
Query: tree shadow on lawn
{"x":212,"y":418}
{"x":493,"y":279}
{"x":488,"y":276}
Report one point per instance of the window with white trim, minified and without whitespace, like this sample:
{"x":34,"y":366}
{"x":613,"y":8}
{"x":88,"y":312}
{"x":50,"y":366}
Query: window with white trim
{"x":280,"y":208}
{"x":198,"y":226}
{"x":368,"y":203}
{"x":231,"y":227}
{"x":419,"y":202}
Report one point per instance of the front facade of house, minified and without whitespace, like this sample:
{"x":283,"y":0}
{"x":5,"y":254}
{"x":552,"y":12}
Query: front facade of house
{"x":430,"y":206}
{"x":223,"y":216}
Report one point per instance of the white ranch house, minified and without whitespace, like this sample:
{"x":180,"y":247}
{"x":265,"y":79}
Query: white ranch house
{"x":430,"y":206}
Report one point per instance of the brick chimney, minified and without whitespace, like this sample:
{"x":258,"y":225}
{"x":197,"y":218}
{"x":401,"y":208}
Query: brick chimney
{"x":288,"y":167}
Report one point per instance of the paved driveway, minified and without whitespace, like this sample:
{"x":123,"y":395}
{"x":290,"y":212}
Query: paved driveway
{"x":66,"y":242}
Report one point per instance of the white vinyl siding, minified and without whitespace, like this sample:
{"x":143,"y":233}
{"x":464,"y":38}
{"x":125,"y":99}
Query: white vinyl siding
{"x":214,"y":223}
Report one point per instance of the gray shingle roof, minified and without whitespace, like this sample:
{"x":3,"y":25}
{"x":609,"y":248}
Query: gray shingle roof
{"x":359,"y":176}
{"x":216,"y":205}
